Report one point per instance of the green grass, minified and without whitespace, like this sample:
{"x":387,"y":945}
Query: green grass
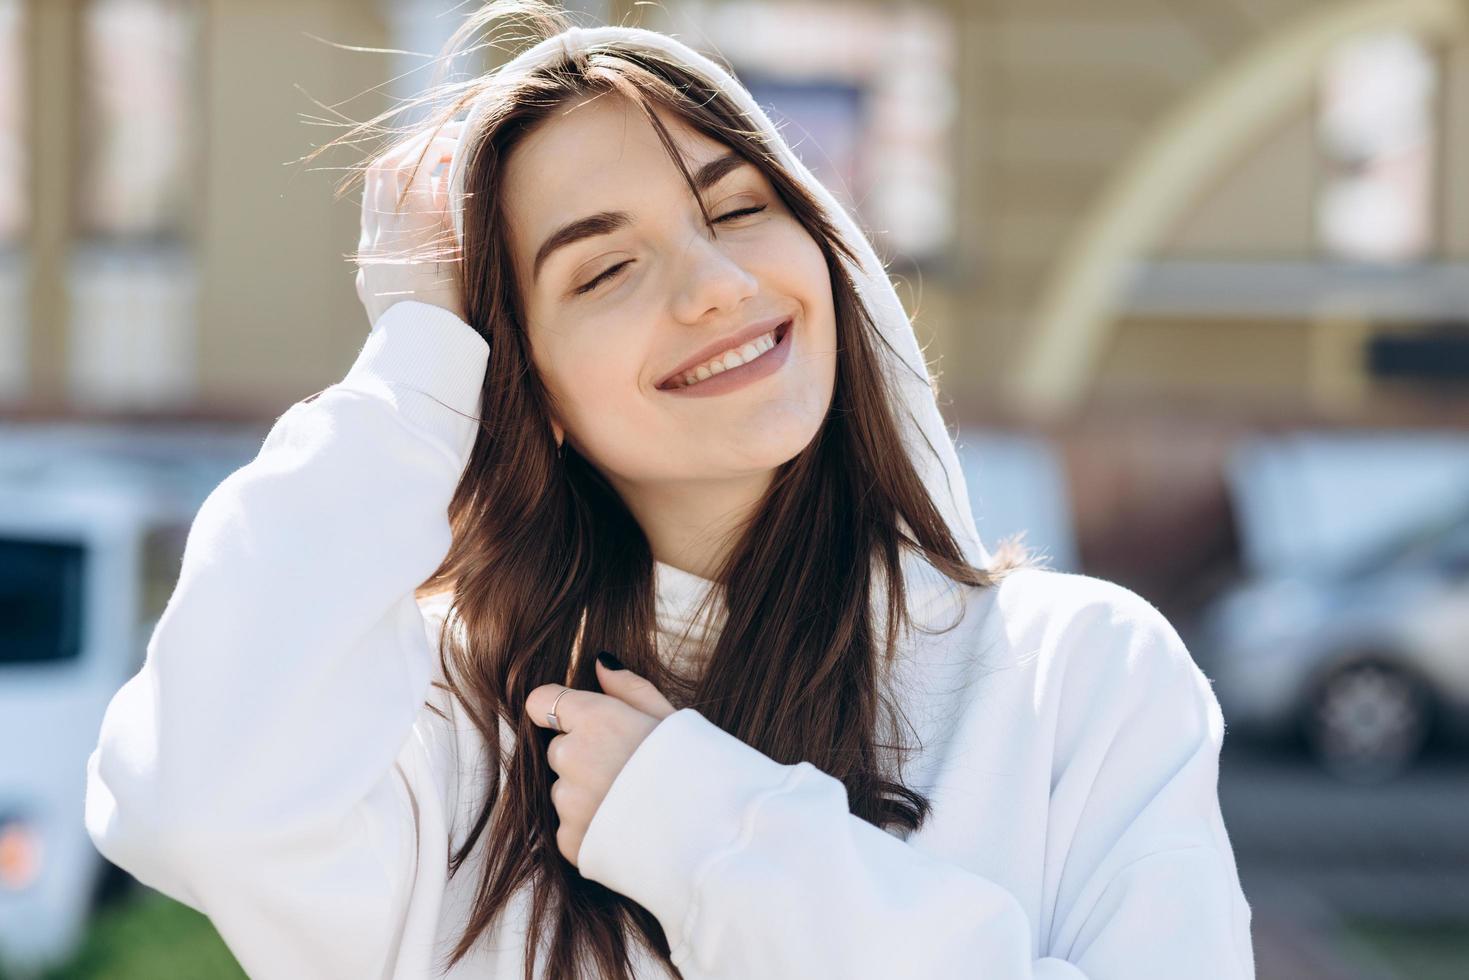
{"x":148,"y":936}
{"x":1422,"y":952}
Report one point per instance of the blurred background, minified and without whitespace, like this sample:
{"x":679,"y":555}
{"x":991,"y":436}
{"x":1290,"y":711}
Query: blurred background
{"x":1193,"y":276}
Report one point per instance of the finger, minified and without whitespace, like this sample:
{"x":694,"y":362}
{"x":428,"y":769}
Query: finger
{"x":423,"y":149}
{"x":434,"y":161}
{"x":380,"y":193}
{"x":402,"y":158}
{"x":568,"y":708}
{"x":371,"y":175}
{"x":568,"y":842}
{"x":424,"y":195}
{"x":554,"y":749}
{"x":424,"y":187}
{"x":633,"y":689}
{"x":392,"y":167}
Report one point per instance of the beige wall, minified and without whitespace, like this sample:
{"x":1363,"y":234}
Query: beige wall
{"x":1263,"y":204}
{"x":279,"y":314}
{"x":1216,"y":363}
{"x":52,"y":96}
{"x":1454,"y":175}
{"x":1055,"y":95}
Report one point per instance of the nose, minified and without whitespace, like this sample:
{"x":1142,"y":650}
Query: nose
{"x":713,"y":282}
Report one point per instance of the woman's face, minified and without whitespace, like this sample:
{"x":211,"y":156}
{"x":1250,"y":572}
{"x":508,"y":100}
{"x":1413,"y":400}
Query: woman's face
{"x":646,"y":288}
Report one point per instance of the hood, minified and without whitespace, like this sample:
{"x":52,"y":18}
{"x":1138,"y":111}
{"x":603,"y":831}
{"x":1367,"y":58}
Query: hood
{"x":925,"y":437}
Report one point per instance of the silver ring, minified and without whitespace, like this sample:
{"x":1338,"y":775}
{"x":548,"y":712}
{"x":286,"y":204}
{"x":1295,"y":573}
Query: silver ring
{"x":551,"y":715}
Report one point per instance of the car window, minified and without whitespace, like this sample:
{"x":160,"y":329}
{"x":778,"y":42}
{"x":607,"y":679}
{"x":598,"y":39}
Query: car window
{"x":1442,"y":545}
{"x":41,"y":590}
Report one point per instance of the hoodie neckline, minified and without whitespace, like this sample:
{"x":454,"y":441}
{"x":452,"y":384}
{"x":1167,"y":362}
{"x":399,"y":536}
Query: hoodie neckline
{"x":685,"y":637}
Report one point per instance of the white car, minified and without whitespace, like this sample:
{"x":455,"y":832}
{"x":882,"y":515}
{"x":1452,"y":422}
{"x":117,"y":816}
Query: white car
{"x":92,"y":527}
{"x":1366,"y":662}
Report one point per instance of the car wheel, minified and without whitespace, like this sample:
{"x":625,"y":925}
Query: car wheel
{"x":1367,"y":721}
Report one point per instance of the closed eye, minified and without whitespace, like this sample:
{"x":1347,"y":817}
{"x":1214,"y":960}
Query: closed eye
{"x":593,"y":283}
{"x":609,"y":273}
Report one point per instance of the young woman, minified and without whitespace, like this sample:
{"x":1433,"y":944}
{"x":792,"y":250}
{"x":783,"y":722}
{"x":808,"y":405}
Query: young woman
{"x":669,"y":407}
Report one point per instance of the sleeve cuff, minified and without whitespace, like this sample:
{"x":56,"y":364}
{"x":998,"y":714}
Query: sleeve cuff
{"x":431,"y":365}
{"x":679,"y":803}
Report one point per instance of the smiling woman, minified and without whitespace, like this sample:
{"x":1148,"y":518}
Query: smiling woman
{"x":675,"y":273}
{"x":359,"y":772}
{"x":624,"y":222}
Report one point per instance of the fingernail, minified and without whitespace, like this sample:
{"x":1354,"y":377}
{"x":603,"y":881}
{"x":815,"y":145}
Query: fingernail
{"x":609,"y":661}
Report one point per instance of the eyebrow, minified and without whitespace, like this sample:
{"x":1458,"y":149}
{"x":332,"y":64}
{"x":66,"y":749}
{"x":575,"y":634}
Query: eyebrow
{"x":606,"y":222}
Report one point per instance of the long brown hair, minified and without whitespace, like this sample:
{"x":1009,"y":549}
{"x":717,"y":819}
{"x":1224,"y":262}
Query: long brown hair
{"x":546,"y":560}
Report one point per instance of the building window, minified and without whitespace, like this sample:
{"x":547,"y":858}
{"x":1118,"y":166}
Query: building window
{"x":136,"y":173}
{"x":132,"y":342}
{"x":1377,"y":133}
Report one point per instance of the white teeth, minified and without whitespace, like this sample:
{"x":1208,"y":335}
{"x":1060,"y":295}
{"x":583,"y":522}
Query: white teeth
{"x":730,"y":359}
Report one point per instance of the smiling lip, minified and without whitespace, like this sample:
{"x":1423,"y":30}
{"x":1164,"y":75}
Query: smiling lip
{"x":748,"y":373}
{"x":672,"y":382}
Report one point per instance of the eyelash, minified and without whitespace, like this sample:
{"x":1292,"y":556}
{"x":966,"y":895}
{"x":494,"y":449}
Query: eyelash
{"x":608,"y":273}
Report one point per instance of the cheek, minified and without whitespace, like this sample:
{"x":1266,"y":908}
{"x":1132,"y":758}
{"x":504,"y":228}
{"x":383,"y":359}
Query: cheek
{"x":804,"y":275}
{"x":799,"y":266}
{"x":595,"y":386}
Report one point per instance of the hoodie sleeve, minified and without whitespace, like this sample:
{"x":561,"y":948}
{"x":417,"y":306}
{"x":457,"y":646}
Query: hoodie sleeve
{"x":755,"y":868}
{"x":270,"y":764}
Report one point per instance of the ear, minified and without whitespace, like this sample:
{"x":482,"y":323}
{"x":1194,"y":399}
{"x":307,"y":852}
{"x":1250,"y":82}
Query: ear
{"x":559,"y":432}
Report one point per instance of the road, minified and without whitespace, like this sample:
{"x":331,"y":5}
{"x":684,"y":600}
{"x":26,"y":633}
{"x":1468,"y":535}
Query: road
{"x":1314,"y":851}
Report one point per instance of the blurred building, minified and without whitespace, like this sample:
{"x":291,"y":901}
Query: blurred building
{"x":1220,"y":201}
{"x":1109,"y":220}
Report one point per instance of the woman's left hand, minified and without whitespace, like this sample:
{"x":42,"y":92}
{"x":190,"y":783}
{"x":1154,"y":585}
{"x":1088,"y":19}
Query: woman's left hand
{"x":599,"y":733}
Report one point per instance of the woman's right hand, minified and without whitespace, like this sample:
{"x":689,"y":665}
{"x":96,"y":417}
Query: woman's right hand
{"x":390,"y":234}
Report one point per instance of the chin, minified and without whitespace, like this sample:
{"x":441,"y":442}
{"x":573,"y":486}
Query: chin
{"x":777,"y":446}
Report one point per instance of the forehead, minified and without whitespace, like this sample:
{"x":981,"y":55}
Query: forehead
{"x":594,"y":155}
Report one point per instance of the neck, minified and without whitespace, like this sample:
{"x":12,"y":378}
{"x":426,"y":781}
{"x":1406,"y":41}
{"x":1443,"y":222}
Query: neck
{"x":691,"y":525}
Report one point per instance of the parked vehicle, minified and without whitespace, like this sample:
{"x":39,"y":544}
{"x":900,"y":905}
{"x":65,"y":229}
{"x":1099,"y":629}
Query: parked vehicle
{"x":92,"y":527}
{"x":1368,"y":662}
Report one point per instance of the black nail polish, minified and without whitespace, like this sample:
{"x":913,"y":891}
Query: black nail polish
{"x":609,"y":661}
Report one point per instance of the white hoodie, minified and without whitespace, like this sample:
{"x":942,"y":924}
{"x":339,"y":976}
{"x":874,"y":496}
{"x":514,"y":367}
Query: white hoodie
{"x":278,"y":765}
